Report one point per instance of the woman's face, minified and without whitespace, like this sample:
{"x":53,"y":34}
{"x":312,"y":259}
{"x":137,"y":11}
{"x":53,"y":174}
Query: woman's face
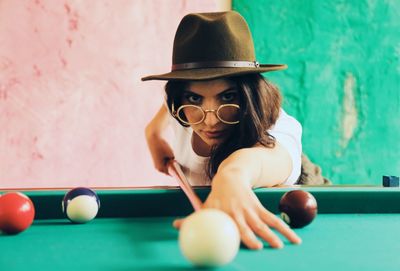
{"x":210,"y":95}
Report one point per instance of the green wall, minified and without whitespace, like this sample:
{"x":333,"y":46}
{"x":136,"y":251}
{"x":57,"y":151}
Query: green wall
{"x":343,"y":81}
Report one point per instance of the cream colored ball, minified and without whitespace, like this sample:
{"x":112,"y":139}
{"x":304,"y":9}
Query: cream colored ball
{"x":209,"y":237}
{"x":82,"y":209}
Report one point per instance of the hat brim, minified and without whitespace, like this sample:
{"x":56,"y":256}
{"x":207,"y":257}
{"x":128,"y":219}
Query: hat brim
{"x":212,"y":73}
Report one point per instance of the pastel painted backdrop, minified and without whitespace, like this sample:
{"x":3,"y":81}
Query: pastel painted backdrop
{"x":343,"y":81}
{"x":72,"y":106}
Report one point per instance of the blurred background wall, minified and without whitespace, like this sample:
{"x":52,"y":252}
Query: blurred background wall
{"x":73,"y":108}
{"x":343,"y":81}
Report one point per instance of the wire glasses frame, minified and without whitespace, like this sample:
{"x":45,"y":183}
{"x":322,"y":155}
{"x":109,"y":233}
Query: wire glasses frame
{"x":226,"y":113}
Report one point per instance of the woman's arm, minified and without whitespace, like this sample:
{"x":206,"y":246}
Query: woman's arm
{"x":232,"y":189}
{"x":232,"y":193}
{"x":259,"y":166}
{"x":159,"y":148}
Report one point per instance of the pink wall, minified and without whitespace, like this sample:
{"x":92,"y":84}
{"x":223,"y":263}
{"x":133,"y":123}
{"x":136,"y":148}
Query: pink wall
{"x":72,"y":106}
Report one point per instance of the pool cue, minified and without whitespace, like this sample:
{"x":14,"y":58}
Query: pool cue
{"x":175,"y":170}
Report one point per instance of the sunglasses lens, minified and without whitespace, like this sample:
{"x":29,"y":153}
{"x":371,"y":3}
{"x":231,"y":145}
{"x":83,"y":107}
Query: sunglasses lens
{"x":191,"y":114}
{"x":228,"y":113}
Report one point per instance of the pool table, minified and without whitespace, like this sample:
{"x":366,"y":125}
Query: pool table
{"x":357,"y":228}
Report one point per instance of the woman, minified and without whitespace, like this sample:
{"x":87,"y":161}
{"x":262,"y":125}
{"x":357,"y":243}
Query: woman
{"x":230,"y":131}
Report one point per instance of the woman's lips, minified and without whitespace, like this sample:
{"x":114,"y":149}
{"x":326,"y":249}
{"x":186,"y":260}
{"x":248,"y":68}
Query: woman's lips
{"x":214,"y":134}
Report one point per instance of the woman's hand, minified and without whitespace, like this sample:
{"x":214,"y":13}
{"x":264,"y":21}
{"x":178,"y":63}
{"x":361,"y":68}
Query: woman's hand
{"x":239,"y":201}
{"x":160,"y":150}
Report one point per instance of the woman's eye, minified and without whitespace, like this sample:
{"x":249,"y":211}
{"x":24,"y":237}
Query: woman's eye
{"x":229,"y":96}
{"x":193,"y":99}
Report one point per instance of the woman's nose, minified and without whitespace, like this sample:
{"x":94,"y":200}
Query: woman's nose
{"x":211,"y":118}
{"x":210,"y":107}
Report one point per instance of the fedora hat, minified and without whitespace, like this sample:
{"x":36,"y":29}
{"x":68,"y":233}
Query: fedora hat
{"x":213,"y":45}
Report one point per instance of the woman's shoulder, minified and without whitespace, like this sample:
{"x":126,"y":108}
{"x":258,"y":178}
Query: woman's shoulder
{"x":286,"y":123}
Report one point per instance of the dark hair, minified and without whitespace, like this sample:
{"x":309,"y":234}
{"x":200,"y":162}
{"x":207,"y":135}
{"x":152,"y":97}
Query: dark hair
{"x":259,"y":101}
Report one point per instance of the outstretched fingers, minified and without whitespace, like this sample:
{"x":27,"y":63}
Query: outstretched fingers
{"x":274,"y":222}
{"x":247,"y":236}
{"x":262,"y":230}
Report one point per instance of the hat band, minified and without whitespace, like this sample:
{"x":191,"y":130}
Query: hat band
{"x":215,"y":64}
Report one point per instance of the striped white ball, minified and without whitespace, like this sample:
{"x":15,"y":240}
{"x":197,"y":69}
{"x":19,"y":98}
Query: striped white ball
{"x":81,"y":205}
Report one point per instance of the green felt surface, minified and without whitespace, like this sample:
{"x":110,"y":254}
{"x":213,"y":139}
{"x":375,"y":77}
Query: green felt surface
{"x":356,"y":229}
{"x":345,"y":241}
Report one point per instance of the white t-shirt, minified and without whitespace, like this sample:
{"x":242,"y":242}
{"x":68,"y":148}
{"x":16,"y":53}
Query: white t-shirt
{"x":287,"y":131}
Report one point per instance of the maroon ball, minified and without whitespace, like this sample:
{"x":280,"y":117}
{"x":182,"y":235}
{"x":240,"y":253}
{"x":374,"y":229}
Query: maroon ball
{"x":298,"y":208}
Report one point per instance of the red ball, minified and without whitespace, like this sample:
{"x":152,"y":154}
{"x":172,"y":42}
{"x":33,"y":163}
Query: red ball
{"x":16,"y":212}
{"x":298,"y":208}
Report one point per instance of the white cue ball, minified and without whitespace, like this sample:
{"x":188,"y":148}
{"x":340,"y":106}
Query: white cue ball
{"x":82,"y":209}
{"x":209,"y":237}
